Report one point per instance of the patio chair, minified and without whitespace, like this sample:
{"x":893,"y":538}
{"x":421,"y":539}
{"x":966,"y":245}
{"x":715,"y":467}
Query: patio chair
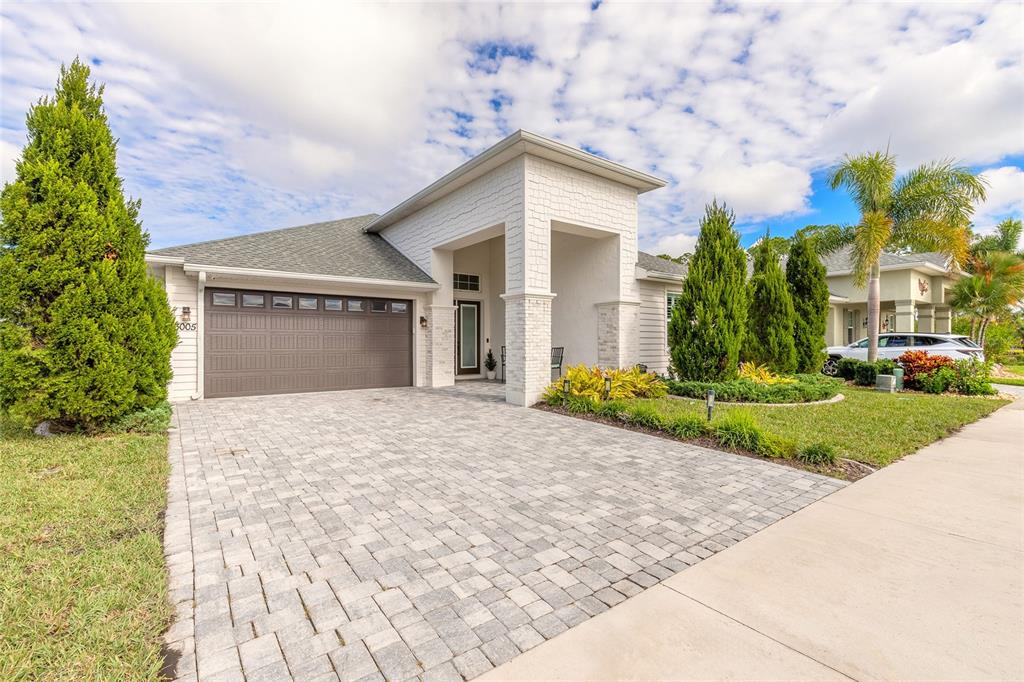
{"x":556,"y":360}
{"x":503,"y":364}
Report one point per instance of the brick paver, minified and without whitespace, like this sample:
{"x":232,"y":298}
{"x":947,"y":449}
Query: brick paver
{"x":407,"y":533}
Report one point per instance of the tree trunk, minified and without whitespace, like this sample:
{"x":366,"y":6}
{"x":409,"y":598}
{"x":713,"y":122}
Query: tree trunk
{"x":874,"y":293}
{"x":974,"y":328}
{"x":981,"y":333}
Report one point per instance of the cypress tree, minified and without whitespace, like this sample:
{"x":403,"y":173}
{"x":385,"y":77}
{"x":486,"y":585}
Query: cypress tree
{"x":770,"y":315}
{"x":85,"y":333}
{"x":805,"y":275}
{"x":709,"y":319}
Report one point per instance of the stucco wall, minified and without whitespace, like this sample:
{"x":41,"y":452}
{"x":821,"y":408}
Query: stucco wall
{"x":579,"y":280}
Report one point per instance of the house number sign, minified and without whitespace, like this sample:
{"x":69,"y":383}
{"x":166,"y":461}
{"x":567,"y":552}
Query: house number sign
{"x":188,"y":326}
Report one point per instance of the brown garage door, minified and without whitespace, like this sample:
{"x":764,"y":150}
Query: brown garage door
{"x":260,"y":342}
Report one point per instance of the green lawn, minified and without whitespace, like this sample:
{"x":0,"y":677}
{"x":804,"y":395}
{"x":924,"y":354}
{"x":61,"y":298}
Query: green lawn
{"x":1012,"y":381}
{"x":868,"y":426}
{"x":83,"y":591}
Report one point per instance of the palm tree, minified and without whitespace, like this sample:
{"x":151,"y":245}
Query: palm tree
{"x":996,"y":284}
{"x":1006,"y":238}
{"x":928,"y":209}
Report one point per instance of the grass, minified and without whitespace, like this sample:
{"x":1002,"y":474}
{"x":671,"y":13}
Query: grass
{"x":1011,"y":381}
{"x":83,"y":590}
{"x":868,"y":426}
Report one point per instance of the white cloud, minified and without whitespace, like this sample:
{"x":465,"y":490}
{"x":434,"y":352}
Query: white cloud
{"x":1004,"y":197}
{"x":675,"y":244}
{"x":234,"y":117}
{"x":9,"y":153}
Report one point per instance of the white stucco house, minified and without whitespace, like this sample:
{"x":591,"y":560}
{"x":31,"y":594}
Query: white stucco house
{"x":528,"y":246}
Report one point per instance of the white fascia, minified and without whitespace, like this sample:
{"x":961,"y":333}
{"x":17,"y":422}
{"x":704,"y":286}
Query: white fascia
{"x":279,"y":274}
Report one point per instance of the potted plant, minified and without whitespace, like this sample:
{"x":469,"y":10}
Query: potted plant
{"x":490,"y":364}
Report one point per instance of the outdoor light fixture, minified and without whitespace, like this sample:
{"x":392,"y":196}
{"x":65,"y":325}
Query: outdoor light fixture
{"x":566,"y":385}
{"x":607,"y":387}
{"x":423,"y":322}
{"x":711,"y":401}
{"x":186,"y":314}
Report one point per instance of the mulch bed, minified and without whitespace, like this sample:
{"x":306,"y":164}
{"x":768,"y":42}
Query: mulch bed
{"x":845,"y":469}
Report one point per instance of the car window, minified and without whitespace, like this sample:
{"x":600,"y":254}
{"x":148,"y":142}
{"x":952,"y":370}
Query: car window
{"x":893,"y":342}
{"x":965,"y":341}
{"x":926,"y":340}
{"x":863,"y":343}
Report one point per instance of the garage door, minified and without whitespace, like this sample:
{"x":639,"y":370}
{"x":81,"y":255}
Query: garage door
{"x":260,"y":342}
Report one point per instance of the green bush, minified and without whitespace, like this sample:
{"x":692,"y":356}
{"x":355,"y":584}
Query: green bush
{"x":85,"y":333}
{"x":738,"y":429}
{"x":805,"y":276}
{"x":846,"y":367}
{"x":770,"y":315}
{"x":610,"y":409}
{"x":687,"y":425}
{"x":644,"y":414}
{"x":808,"y":388}
{"x":589,"y":382}
{"x":156,"y":419}
{"x":885,"y":366}
{"x":579,"y":404}
{"x":817,"y":454}
{"x":776,"y":447}
{"x":936,"y":381}
{"x":972,"y":378}
{"x":864,"y":374}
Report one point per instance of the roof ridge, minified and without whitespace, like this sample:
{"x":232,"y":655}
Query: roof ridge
{"x":262,"y":232}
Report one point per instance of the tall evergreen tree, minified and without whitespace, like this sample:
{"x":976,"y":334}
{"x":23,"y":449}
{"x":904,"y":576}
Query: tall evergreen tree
{"x":770,"y":313}
{"x":805,"y":275}
{"x":85,"y":333}
{"x":709,"y":319}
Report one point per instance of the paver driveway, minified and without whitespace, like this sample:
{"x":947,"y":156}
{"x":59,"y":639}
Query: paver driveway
{"x":434,"y":533}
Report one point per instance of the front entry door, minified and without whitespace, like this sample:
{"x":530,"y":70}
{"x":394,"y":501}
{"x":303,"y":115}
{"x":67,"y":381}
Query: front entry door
{"x":467,"y":337}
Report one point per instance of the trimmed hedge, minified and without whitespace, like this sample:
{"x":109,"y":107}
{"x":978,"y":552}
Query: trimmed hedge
{"x":808,"y":388}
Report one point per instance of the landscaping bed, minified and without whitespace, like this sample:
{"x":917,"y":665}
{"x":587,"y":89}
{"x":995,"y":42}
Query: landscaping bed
{"x":803,"y":388}
{"x":83,"y":589}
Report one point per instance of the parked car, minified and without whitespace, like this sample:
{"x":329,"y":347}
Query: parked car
{"x":891,"y":346}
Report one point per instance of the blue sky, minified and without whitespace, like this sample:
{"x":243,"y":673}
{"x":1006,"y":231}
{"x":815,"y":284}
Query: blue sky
{"x":234,"y":118}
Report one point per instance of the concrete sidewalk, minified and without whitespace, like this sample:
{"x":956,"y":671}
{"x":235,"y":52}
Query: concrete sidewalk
{"x":912,"y":573}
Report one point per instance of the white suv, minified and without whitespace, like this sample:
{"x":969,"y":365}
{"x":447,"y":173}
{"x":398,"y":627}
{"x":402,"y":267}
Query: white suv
{"x":891,"y":346}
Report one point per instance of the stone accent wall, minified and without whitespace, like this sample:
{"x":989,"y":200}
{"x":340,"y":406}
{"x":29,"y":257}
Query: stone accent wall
{"x":527,"y":347}
{"x":618,"y":333}
{"x":440,"y":345}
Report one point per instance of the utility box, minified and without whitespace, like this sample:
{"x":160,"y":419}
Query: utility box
{"x":885,"y":383}
{"x":898,"y":373}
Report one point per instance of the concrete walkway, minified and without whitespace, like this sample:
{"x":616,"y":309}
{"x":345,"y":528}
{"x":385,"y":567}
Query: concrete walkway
{"x":912,"y":573}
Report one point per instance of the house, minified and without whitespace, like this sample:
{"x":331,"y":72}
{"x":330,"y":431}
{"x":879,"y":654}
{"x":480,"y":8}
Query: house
{"x":532,"y":244}
{"x":915,"y":289}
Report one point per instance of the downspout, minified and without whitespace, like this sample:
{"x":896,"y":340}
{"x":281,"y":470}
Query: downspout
{"x":200,"y":333}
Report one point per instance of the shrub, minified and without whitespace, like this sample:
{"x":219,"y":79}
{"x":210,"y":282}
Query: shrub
{"x":761,"y":374}
{"x":769,"y":339}
{"x":918,"y":362}
{"x":937,"y":381}
{"x":846,"y":367}
{"x":817,"y":454}
{"x":85,"y":333}
{"x":885,"y":366}
{"x":579,"y":404}
{"x":156,"y":419}
{"x":610,"y":409}
{"x":776,"y":447}
{"x":687,"y":425}
{"x":805,"y":275}
{"x":864,"y":374}
{"x":709,"y":320}
{"x":971,"y":377}
{"x":588,"y":382}
{"x":644,"y":414}
{"x":807,"y":388}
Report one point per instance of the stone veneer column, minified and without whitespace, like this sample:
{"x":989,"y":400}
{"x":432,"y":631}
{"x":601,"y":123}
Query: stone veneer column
{"x":904,"y":316}
{"x":527,"y":346}
{"x":440,"y":342}
{"x":618,"y":332}
{"x":942,"y":323}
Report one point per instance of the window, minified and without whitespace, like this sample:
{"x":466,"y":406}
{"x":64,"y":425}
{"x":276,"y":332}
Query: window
{"x":399,"y":307}
{"x":332,"y":304}
{"x":307,"y":302}
{"x":379,"y":306}
{"x":223,"y":299}
{"x":252,"y":300}
{"x":893,"y":342}
{"x":281,"y":302}
{"x":463,"y":282}
{"x":925,"y":340}
{"x":670,"y":303}
{"x":863,"y":343}
{"x":355,"y":305}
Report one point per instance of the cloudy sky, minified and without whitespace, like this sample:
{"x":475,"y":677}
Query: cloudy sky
{"x":235,"y":118}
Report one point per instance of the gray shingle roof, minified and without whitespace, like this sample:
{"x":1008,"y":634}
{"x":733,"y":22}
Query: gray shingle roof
{"x":841,"y":261}
{"x":335,"y":248}
{"x":653,"y":263}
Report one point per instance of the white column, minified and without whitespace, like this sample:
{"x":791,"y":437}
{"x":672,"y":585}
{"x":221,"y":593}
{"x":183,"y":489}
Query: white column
{"x":925,"y":318}
{"x":527,"y":346}
{"x":942,"y":323}
{"x":440,"y":314}
{"x":618,"y":333}
{"x":904,"y":316}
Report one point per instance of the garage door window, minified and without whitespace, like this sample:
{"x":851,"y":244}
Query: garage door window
{"x":281,"y":302}
{"x":307,"y":302}
{"x":355,"y":305}
{"x":252,"y":300}
{"x":332,"y":304}
{"x":397,"y":307}
{"x":223,"y":299}
{"x":379,"y":306}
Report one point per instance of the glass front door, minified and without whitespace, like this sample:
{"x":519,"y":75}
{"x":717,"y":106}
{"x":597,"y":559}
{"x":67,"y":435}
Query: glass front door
{"x":467,"y":337}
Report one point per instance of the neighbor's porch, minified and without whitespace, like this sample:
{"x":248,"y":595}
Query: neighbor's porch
{"x":848,"y":322}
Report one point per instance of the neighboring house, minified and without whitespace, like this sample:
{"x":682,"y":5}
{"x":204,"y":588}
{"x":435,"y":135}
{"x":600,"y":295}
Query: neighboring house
{"x":530,"y":245}
{"x":915,"y":290}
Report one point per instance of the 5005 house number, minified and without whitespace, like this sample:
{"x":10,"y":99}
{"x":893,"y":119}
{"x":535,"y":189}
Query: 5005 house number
{"x":188,"y":326}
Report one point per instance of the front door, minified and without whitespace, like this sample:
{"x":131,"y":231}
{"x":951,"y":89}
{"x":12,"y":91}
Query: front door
{"x":467,"y":337}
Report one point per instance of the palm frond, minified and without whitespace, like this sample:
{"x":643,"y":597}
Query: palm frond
{"x":870,"y":237}
{"x":868,"y":178}
{"x":826,"y":239}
